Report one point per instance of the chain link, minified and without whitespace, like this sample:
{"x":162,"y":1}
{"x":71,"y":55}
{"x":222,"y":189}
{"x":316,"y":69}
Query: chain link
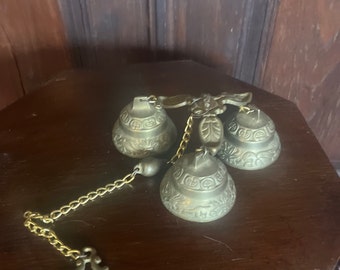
{"x":33,"y":219}
{"x":185,"y":140}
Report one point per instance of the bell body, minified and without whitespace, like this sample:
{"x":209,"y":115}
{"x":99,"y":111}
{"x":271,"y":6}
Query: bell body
{"x":143,"y":129}
{"x":198,"y":188}
{"x":251,"y":141}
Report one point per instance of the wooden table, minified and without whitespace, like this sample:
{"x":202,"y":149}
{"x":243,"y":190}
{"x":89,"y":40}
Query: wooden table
{"x":55,"y":145}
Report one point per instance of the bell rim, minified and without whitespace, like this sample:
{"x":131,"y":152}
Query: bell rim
{"x":231,"y":199}
{"x":242,"y":151}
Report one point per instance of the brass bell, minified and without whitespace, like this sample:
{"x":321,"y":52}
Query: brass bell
{"x":143,"y":129}
{"x":251,"y":141}
{"x":198,"y":188}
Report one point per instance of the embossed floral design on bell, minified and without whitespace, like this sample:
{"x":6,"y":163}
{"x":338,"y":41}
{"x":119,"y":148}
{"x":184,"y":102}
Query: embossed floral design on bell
{"x":143,"y":129}
{"x":198,"y":188}
{"x":251,"y":141}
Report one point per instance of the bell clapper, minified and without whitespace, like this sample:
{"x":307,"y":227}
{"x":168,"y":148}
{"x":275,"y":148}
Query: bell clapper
{"x":149,"y":166}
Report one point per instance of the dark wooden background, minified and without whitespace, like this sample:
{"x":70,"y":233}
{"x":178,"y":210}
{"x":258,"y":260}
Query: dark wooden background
{"x":289,"y":47}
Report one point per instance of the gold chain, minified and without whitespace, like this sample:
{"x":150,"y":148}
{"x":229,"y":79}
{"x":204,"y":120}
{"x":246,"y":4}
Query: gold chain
{"x":33,"y":218}
{"x":185,"y":140}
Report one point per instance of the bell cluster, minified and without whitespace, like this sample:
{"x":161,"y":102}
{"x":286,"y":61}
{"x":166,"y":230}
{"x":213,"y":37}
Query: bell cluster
{"x":198,"y":187}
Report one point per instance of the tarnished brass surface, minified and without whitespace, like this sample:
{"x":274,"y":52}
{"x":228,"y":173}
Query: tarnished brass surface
{"x":206,"y":108}
{"x":251,"y":141}
{"x":205,"y":104}
{"x":143,"y":129}
{"x":212,"y":105}
{"x":198,"y":188}
{"x":210,"y":132}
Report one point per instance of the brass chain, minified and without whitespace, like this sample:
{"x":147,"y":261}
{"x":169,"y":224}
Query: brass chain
{"x":33,"y":219}
{"x":185,"y":140}
{"x":49,"y":234}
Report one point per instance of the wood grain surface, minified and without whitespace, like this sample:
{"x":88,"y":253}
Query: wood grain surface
{"x":11,"y":88}
{"x":56,"y":145}
{"x":303,"y":65}
{"x":104,"y":34}
{"x":206,"y":30}
{"x":36,"y":39}
{"x":224,"y":34}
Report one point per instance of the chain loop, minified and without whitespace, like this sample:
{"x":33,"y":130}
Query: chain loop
{"x":33,"y":220}
{"x":185,"y":140}
{"x":51,"y":237}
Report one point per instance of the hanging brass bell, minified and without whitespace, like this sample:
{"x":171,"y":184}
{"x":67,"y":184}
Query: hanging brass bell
{"x":251,"y":141}
{"x":198,"y":188}
{"x":143,"y":129}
